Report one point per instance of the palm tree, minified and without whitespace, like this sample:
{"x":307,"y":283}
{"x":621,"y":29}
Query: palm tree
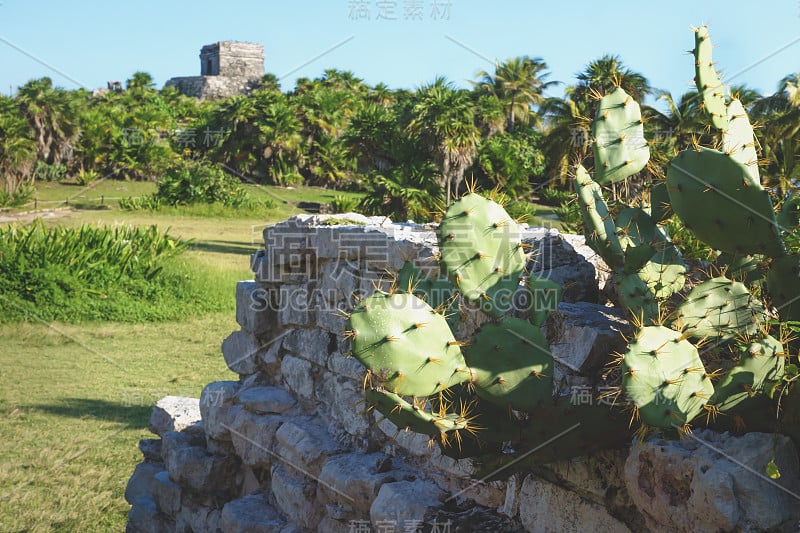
{"x":519,"y":84}
{"x":443,"y":118}
{"x":53,"y":116}
{"x":567,"y":135}
{"x":140,"y":80}
{"x":605,"y":74}
{"x":673,"y":130}
{"x":17,"y":149}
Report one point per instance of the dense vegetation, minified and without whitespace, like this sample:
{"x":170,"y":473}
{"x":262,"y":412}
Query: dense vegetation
{"x":408,"y":149}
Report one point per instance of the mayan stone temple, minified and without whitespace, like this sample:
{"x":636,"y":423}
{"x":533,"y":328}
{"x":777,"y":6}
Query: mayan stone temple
{"x":227,"y":68}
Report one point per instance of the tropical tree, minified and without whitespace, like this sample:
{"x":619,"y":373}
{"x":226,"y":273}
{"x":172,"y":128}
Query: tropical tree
{"x":53,"y":115}
{"x":443,"y":119}
{"x":405,"y":192}
{"x":140,"y":80}
{"x":567,"y":136}
{"x":603,"y":75}
{"x":518,"y":83}
{"x":17,"y":151}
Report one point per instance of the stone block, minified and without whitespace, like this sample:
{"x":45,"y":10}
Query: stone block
{"x":344,"y":402}
{"x":241,"y":351}
{"x":354,"y":479}
{"x":141,"y":482}
{"x":174,"y":413}
{"x":299,"y":376}
{"x":145,"y":518}
{"x":215,"y":402}
{"x":295,"y":494}
{"x":549,"y":508}
{"x":305,"y":445}
{"x":251,"y":514}
{"x":255,"y":308}
{"x":405,"y":501}
{"x":266,"y":400}
{"x":311,"y":344}
{"x":167,"y":494}
{"x":253,"y":437}
{"x":151,"y":449}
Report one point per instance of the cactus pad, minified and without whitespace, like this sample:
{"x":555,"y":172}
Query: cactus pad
{"x":545,"y":297}
{"x":406,"y":345}
{"x":660,"y":209}
{"x":511,"y":364}
{"x":707,"y":79}
{"x":411,"y":417}
{"x":762,"y":361}
{"x":665,"y":378}
{"x":601,"y":232}
{"x":636,"y":297}
{"x":783,"y":283}
{"x":739,"y":142}
{"x":714,"y":196}
{"x":481,"y":252}
{"x":720,"y":307}
{"x":620,"y":149}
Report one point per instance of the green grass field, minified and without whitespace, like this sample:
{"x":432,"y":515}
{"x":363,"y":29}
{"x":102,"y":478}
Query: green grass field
{"x":76,"y":399}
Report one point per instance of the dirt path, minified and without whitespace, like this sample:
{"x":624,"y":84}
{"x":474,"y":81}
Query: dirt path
{"x":28,"y":216}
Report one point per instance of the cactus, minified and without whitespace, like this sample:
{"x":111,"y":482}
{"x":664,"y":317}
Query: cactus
{"x":714,"y":196}
{"x":665,"y":378}
{"x":619,"y":146}
{"x":739,"y":142}
{"x":545,"y":297}
{"x":783,"y":283}
{"x":439,"y":293}
{"x":722,"y":308}
{"x":412,"y":417}
{"x":601,"y":232}
{"x":707,"y":79}
{"x":762,"y":361}
{"x":660,"y":209}
{"x":406,"y":345}
{"x":481,"y":252}
{"x":511,"y":364}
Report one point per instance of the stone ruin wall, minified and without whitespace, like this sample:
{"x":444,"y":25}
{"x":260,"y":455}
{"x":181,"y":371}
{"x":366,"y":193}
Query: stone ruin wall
{"x":289,"y":447}
{"x":235,"y":68}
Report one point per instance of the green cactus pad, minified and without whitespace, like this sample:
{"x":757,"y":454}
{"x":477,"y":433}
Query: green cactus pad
{"x":744,"y":268}
{"x":482,"y":253}
{"x":664,"y":378}
{"x":789,"y":215}
{"x":439,"y":293}
{"x":739,"y":142}
{"x":511,"y":364}
{"x":762,"y":361}
{"x":601,"y":232}
{"x":707,"y":79}
{"x":636,"y":297}
{"x":545,"y":297}
{"x":406,"y":345}
{"x":638,"y":236}
{"x":620,"y":149}
{"x":406,"y":416}
{"x":783,"y":284}
{"x":720,"y":307}
{"x":660,"y":209}
{"x":713,"y":195}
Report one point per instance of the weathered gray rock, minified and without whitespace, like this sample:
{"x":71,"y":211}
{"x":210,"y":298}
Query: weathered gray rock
{"x":151,"y":449}
{"x":549,"y":508}
{"x":145,"y":518}
{"x":174,"y":413}
{"x":410,"y":442}
{"x":582,"y":337}
{"x":304,"y":444}
{"x":197,"y":518}
{"x":299,"y":376}
{"x":566,"y":260}
{"x":310,"y":344}
{"x":253,"y":437}
{"x":294,"y":304}
{"x":711,"y":482}
{"x":266,"y":400}
{"x":345,"y":366}
{"x":215,"y":403}
{"x":405,"y":501}
{"x":141,"y":482}
{"x":354,"y":479}
{"x":194,"y":468}
{"x":167,"y":494}
{"x":343,"y":400}
{"x":241,"y":351}
{"x":295,"y":493}
{"x":251,"y":514}
{"x":255,"y":310}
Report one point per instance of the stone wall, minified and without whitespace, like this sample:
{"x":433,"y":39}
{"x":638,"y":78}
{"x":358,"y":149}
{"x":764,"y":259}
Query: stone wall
{"x":290,"y":447}
{"x":227,"y":68}
{"x":212,"y":87}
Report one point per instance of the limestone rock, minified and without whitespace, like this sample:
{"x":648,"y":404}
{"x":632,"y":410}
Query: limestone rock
{"x":255,"y":311}
{"x":141,"y":482}
{"x":711,"y":482}
{"x":310,"y":344}
{"x":253,"y":437}
{"x":405,"y":501}
{"x":167,"y":494}
{"x":266,"y":400}
{"x":302,"y":443}
{"x":241,"y":352}
{"x":544,"y":507}
{"x":193,"y":467}
{"x":299,"y":376}
{"x":354,"y":479}
{"x":173,"y":413}
{"x":295,"y":493}
{"x":151,"y":449}
{"x":251,"y":514}
{"x":145,"y":518}
{"x":215,"y":402}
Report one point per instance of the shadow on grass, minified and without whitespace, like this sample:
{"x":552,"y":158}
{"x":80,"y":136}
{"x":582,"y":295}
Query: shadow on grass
{"x":223,"y":247}
{"x":132,"y":414}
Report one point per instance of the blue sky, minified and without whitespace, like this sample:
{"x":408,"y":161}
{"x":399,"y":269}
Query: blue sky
{"x":91,"y":42}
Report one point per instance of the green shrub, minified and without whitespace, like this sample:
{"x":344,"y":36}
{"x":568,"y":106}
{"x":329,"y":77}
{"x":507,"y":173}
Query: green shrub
{"x":555,"y":196}
{"x":123,"y":274}
{"x":21,"y":196}
{"x":343,"y":204}
{"x":45,"y":172}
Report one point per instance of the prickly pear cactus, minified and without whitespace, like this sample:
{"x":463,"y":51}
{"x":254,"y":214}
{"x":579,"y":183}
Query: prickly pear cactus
{"x":620,"y":149}
{"x":665,"y":378}
{"x":714,"y":197}
{"x":739,"y":142}
{"x":720,"y":308}
{"x":762,"y":361}
{"x":601,"y":232}
{"x":481,"y":252}
{"x":511,"y":364}
{"x":709,"y":84}
{"x":407,"y":347}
